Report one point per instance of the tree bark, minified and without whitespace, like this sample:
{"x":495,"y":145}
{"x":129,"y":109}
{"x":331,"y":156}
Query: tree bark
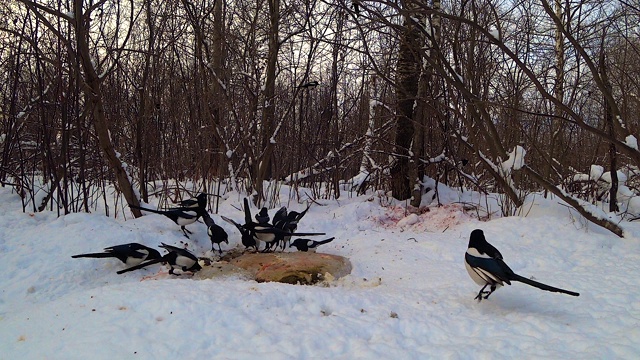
{"x":93,"y":93}
{"x":407,"y":75}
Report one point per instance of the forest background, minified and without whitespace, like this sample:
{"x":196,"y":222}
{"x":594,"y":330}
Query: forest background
{"x":131,"y":99}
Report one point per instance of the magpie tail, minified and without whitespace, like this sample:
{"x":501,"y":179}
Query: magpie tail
{"x":325,"y":241}
{"x":146,"y":209}
{"x":140,"y":266}
{"x":516,"y":277}
{"x":93,"y":255}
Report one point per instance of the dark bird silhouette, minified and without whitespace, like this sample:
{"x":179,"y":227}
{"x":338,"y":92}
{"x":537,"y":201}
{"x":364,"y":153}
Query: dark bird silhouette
{"x":263,"y":216}
{"x":216,"y":233}
{"x":130,"y":254}
{"x":280,"y":215}
{"x":265,"y":232}
{"x":485,"y":266}
{"x":180,"y":216}
{"x":177,"y":258}
{"x":288,"y":221}
{"x":309,"y":84}
{"x":308,"y":244}
{"x":245,"y":235}
{"x":200,"y":201}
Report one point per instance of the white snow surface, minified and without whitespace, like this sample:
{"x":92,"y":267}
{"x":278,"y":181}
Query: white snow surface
{"x":408,"y":297}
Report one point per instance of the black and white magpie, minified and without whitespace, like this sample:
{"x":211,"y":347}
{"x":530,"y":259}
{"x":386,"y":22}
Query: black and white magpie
{"x":288,"y":221}
{"x":130,"y":254}
{"x":263,"y":216}
{"x":245,"y":235}
{"x":280,"y":215}
{"x":177,"y":258}
{"x":180,"y":216}
{"x":309,"y":84}
{"x":216,"y":233}
{"x":485,"y":266}
{"x":308,"y":244}
{"x":200,"y":201}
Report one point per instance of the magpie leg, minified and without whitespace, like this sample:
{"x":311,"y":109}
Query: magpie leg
{"x":480,"y":293}
{"x":493,"y":288}
{"x":185,"y":231}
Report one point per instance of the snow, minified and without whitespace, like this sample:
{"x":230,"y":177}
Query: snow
{"x":494,"y":33}
{"x":408,"y":297}
{"x":631,"y":142}
{"x":515,"y":160}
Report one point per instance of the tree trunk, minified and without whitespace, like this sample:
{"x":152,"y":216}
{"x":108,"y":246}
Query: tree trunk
{"x":407,"y":75}
{"x":263,"y":165}
{"x":100,"y":123}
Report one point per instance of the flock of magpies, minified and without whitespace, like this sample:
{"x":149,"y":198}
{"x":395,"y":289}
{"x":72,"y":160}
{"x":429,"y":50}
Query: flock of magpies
{"x":274,"y":235}
{"x":483,"y":262}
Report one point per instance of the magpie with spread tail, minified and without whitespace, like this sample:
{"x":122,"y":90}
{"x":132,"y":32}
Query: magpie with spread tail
{"x":180,"y":216}
{"x":177,"y":258}
{"x":130,"y":254}
{"x":216,"y":233}
{"x":485,"y":266}
{"x":308,"y":244}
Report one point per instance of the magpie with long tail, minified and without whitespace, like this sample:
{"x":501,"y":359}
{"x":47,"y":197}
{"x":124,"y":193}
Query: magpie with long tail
{"x":245,"y":235}
{"x":177,"y":258}
{"x":291,"y":223}
{"x":180,"y":216}
{"x":272,"y":235}
{"x":216,"y":233}
{"x":308,"y":244}
{"x":130,"y":254}
{"x":200,"y":201}
{"x":485,"y":266}
{"x":267,"y":233}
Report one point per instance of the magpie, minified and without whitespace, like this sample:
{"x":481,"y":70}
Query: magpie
{"x":265,"y":232}
{"x":485,"y":266}
{"x":280,"y":215}
{"x":216,"y":232}
{"x":130,"y":254}
{"x":245,"y":235}
{"x":309,"y":84}
{"x":176,"y":257}
{"x":180,"y":216}
{"x":291,"y":219}
{"x":263,"y":216}
{"x":308,"y":244}
{"x":199,"y":202}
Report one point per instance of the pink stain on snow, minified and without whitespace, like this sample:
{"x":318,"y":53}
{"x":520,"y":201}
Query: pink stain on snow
{"x":429,"y":218}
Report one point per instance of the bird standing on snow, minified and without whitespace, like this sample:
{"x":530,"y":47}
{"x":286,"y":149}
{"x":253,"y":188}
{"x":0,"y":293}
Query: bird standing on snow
{"x":180,"y":216}
{"x":485,"y":266}
{"x":130,"y":254}
{"x":216,"y":233}
{"x":176,"y":258}
{"x":199,"y":202}
{"x":308,"y":244}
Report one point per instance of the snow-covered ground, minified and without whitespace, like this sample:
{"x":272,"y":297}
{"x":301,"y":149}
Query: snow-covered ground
{"x":408,"y":297}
